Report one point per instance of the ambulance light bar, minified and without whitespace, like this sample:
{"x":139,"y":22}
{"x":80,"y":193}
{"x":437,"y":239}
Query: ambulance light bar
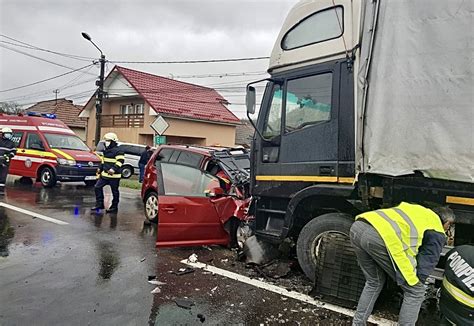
{"x":44,"y":115}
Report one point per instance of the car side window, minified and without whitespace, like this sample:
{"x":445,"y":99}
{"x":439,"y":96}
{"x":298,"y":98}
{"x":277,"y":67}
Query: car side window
{"x":174,"y":156}
{"x":33,"y":141}
{"x":165,"y":154}
{"x":136,"y":150}
{"x":181,"y":180}
{"x":16,"y":138}
{"x":190,"y":159}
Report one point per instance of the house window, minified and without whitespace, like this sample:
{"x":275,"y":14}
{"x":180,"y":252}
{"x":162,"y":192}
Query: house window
{"x":131,"y":109}
{"x":139,"y":108}
{"x":126,"y":109}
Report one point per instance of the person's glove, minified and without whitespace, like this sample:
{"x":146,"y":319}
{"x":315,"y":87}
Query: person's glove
{"x":111,"y":172}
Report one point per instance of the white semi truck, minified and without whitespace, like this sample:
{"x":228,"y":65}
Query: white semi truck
{"x":369,"y":103}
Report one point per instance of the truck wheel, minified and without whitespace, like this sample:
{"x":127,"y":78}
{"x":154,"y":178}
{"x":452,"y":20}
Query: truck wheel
{"x":151,"y":208}
{"x":47,"y":177}
{"x":127,"y":172}
{"x":311,"y":234}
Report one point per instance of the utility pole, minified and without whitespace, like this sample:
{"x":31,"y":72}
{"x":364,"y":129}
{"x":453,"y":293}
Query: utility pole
{"x":56,"y":91}
{"x":99,"y":99}
{"x":100,"y":91}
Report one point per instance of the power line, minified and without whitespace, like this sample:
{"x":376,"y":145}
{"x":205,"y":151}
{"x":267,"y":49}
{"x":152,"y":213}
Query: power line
{"x":33,"y":47}
{"x":44,"y":80}
{"x":193,"y":61}
{"x":38,"y":58}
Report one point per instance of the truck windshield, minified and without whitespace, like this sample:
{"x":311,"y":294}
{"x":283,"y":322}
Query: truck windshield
{"x":66,"y":142}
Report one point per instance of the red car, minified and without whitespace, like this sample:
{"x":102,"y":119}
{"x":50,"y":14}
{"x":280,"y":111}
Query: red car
{"x":198,"y":195}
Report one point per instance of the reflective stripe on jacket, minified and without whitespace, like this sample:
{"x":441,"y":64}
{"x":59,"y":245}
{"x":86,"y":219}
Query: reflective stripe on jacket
{"x":402,"y":229}
{"x":112,"y":158}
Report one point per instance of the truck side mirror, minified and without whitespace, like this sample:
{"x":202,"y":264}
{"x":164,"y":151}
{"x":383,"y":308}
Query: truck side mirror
{"x":250,"y":99}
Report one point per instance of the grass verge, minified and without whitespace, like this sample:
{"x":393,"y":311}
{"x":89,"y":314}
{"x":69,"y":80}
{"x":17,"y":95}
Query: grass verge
{"x":130,"y":183}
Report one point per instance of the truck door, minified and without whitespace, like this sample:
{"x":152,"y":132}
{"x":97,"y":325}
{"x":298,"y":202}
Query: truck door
{"x":300,"y":129}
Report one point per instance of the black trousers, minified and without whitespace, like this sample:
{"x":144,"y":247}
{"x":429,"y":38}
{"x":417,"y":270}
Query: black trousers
{"x":114,"y":184}
{"x":3,"y":176}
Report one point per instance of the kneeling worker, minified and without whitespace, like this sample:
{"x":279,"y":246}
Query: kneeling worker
{"x":403,"y":242}
{"x":457,"y":291}
{"x":7,"y":151}
{"x":110,"y":172}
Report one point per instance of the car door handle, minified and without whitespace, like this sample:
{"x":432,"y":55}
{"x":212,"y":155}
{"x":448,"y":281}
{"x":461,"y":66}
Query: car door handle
{"x":169,"y":209}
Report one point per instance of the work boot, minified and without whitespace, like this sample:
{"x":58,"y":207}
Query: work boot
{"x":112,"y":209}
{"x":97,"y":208}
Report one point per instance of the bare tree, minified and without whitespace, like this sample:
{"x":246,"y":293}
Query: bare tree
{"x":10,"y":108}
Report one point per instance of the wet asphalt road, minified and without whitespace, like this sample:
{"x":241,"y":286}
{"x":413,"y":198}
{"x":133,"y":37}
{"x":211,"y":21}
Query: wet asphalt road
{"x":94,"y":270}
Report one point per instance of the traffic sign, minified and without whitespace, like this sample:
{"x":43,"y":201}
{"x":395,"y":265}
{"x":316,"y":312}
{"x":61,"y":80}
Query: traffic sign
{"x":160,"y":140}
{"x":159,"y":125}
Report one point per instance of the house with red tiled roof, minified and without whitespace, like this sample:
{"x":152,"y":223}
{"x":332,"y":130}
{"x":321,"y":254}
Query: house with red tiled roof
{"x":66,"y":111}
{"x":196,"y":115}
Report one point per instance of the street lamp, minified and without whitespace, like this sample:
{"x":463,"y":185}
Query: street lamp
{"x":100,"y":91}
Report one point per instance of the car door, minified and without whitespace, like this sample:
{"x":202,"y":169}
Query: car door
{"x":17,"y":165}
{"x":187,"y":216}
{"x":35,"y":154}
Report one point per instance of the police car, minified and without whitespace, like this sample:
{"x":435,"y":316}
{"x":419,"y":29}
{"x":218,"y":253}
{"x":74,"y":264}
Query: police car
{"x":48,"y":151}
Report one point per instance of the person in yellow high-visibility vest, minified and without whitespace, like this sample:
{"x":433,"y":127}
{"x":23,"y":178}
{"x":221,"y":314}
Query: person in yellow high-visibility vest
{"x":403,"y":242}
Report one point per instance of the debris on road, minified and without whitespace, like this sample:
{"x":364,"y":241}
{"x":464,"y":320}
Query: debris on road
{"x":207,"y":247}
{"x":143,"y":259}
{"x":151,"y":277}
{"x":259,"y":252}
{"x":184,"y":303}
{"x":193,"y":258}
{"x":155,"y":282}
{"x":156,"y":290}
{"x":214,"y":289}
{"x":183,"y":271}
{"x":201,"y":317}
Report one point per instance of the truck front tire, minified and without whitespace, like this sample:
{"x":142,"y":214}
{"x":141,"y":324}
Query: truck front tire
{"x":311,"y":234}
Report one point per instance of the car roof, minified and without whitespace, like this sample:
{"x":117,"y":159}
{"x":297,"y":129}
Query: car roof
{"x":204,"y":150}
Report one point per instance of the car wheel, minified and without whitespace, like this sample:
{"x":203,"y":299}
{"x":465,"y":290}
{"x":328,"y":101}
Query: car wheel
{"x":90,"y":183}
{"x":151,"y":207}
{"x":127,"y":172}
{"x":307,"y":246}
{"x":47,"y":177}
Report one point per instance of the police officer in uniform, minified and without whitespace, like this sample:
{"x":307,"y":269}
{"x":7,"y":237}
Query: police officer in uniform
{"x":7,"y":151}
{"x":110,"y":172}
{"x":457,"y":291}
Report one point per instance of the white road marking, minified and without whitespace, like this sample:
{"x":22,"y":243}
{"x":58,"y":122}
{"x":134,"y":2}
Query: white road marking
{"x":24,"y":211}
{"x":284,"y":292}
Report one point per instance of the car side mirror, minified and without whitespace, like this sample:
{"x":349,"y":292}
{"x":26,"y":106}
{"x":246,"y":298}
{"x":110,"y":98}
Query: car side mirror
{"x":215,"y":192}
{"x":250,"y":99}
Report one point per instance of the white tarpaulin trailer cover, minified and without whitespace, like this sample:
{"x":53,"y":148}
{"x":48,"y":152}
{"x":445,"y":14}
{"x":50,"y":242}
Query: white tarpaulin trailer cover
{"x":416,"y":104}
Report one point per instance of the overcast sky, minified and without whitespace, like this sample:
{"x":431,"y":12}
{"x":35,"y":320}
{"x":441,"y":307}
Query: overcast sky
{"x":134,"y":31}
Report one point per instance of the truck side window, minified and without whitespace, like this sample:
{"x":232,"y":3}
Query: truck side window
{"x":33,"y":141}
{"x":308,"y":101}
{"x":16,"y":138}
{"x":273,"y":122}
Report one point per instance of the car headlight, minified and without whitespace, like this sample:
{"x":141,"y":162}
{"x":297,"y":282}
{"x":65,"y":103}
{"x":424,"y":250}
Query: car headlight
{"x":63,"y":161}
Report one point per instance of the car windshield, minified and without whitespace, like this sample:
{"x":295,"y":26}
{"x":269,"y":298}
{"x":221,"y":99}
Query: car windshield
{"x":66,"y":142}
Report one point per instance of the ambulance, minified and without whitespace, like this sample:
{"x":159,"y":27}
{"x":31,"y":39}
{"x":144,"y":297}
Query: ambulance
{"x":48,"y":151}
